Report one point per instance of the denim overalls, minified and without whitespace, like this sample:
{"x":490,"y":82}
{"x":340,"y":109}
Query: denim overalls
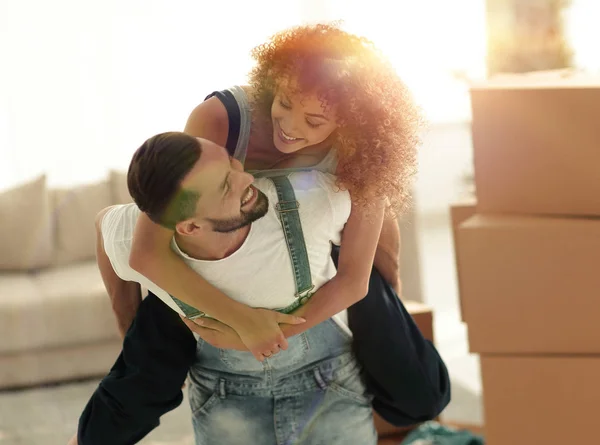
{"x":312,"y":393}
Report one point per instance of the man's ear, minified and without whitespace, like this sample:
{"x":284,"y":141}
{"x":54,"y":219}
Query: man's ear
{"x":189,"y":227}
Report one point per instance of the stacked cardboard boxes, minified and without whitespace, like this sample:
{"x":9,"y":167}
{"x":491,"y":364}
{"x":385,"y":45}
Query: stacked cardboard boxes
{"x":528,"y":257}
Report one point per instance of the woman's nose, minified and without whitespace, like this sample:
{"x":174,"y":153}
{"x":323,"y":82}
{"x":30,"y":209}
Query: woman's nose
{"x":242,"y":179}
{"x":237,"y":165}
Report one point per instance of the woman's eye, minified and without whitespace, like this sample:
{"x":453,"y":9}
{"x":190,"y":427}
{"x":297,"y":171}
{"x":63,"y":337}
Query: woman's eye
{"x":284,"y":105}
{"x":312,"y":125}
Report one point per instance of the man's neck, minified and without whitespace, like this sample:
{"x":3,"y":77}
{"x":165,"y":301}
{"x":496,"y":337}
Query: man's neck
{"x":212,"y":246}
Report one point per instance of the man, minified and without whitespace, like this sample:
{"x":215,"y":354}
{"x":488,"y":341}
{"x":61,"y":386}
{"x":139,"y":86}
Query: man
{"x":227,"y":231}
{"x":159,"y":349}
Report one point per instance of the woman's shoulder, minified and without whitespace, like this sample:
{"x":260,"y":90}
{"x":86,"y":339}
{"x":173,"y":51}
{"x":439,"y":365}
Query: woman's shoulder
{"x":209,"y":120}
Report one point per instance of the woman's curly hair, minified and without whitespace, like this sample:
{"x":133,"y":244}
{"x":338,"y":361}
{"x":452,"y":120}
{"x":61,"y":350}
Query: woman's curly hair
{"x":378,"y":123}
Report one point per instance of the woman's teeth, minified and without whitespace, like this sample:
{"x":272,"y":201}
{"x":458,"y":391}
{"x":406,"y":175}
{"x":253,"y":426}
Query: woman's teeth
{"x":248,"y":196}
{"x":288,"y":138}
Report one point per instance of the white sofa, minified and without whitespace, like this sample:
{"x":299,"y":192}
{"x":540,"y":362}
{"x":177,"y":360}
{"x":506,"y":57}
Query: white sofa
{"x":56,"y":321}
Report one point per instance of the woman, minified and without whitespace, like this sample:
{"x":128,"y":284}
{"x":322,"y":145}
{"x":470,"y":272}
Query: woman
{"x":321,"y":98}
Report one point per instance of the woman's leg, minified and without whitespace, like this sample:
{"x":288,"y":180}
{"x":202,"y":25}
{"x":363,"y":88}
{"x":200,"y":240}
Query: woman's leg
{"x":145,"y":381}
{"x":403,"y":370}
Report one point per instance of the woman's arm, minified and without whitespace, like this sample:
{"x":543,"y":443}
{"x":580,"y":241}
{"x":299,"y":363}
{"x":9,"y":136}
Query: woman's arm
{"x":351,"y":283}
{"x":359,"y":242}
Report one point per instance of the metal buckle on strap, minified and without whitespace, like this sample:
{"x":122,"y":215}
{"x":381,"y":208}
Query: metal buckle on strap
{"x":296,"y":205}
{"x":304,"y":296}
{"x":197,"y":316}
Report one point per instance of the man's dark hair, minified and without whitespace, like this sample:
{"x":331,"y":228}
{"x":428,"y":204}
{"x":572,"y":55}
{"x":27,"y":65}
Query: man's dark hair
{"x":155,"y":175}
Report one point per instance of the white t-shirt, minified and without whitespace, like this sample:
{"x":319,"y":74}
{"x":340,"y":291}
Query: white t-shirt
{"x":259,"y":273}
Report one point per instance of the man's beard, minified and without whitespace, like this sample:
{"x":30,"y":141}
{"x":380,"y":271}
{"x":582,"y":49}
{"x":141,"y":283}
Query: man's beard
{"x":246,"y":218}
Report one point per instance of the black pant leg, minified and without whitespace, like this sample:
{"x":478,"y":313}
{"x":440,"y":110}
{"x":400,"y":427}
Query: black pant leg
{"x":403,"y":370}
{"x":146,"y":380}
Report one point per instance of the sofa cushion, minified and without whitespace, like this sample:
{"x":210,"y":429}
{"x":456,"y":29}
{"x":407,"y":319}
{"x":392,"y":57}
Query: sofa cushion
{"x":120,"y":191}
{"x":35,"y":367}
{"x":75,"y":211}
{"x":19,"y":293}
{"x":26,"y":240}
{"x":59,"y":306}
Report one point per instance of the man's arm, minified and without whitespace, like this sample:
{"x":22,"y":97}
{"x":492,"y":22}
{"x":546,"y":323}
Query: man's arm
{"x":125,"y":296}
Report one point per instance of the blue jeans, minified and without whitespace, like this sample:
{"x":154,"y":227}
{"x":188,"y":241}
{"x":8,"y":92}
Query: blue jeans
{"x":312,"y":393}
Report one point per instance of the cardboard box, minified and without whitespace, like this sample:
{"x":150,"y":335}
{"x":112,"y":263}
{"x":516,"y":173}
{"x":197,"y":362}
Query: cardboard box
{"x":536,"y":144}
{"x":530,"y":284}
{"x":423,"y":316}
{"x":541,"y":400}
{"x":460,"y":212}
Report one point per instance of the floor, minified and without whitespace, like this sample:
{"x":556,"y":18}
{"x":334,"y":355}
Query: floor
{"x":48,"y":415}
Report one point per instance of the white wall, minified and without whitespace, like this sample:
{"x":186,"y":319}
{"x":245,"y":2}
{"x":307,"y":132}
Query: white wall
{"x":85,"y":82}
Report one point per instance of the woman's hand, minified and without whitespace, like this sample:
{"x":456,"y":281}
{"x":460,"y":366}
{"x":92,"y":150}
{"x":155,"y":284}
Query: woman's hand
{"x":215,"y":333}
{"x":262,"y":334}
{"x":259,"y":330}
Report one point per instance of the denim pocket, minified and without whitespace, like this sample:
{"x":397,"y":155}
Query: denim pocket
{"x":344,"y":334}
{"x":347,"y":382}
{"x":204,"y":393}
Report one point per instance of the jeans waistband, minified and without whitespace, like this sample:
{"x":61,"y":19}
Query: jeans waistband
{"x":314,"y":376}
{"x":316,"y":347}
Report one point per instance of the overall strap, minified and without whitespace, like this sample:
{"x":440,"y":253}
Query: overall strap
{"x":190,"y":312}
{"x":287,"y":208}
